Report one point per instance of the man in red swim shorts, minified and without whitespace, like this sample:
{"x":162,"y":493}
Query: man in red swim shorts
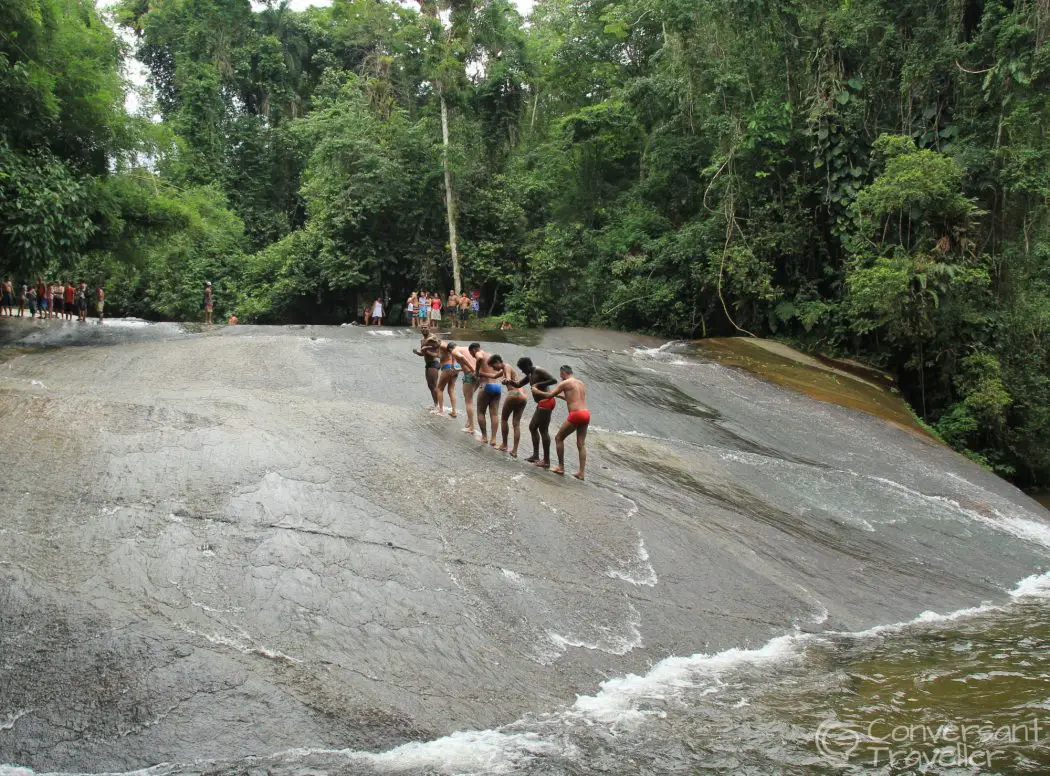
{"x":575,"y":393}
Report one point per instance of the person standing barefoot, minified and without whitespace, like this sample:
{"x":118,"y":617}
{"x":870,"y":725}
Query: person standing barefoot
{"x":82,"y":301}
{"x":575,"y":393}
{"x":428,"y":351}
{"x":69,"y":295}
{"x":7,"y":302}
{"x":487,"y":393}
{"x":435,"y":312}
{"x":447,"y":374}
{"x":463,"y":304}
{"x":100,"y":304}
{"x":541,"y":419}
{"x":209,"y":303}
{"x":491,"y":373}
{"x":465,"y":358}
{"x":513,"y":406}
{"x":410,"y":309}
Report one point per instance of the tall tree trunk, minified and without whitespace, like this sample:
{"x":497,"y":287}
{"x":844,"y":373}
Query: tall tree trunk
{"x":450,"y":196}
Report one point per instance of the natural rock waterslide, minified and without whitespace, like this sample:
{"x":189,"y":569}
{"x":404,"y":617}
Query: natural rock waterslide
{"x":231,"y":543}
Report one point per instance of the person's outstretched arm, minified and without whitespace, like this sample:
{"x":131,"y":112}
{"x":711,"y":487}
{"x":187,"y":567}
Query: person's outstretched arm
{"x":552,"y":393}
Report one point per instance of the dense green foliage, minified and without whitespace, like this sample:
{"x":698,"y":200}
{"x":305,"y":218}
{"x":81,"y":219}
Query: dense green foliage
{"x":861,"y":177}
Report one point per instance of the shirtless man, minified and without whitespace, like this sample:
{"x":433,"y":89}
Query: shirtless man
{"x":447,"y":374}
{"x":428,"y":351}
{"x":575,"y":393}
{"x":541,"y":419}
{"x":470,"y":381}
{"x":464,"y":310}
{"x":7,"y":290}
{"x":514,"y":405}
{"x":58,"y":300}
{"x":41,"y":298}
{"x":69,"y":297}
{"x":490,"y":390}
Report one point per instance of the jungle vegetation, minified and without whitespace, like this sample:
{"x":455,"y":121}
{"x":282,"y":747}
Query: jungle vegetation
{"x":863,"y":178}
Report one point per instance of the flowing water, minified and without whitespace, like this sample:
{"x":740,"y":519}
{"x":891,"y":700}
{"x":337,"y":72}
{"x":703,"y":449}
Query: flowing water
{"x":252,"y":550}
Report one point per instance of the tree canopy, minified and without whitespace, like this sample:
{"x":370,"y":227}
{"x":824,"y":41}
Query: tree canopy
{"x":861,"y":177}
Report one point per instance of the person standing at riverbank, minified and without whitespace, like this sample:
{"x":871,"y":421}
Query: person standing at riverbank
{"x":58,"y":305}
{"x":435,"y":311}
{"x":7,"y":292}
{"x":209,"y":304}
{"x":463,"y":302}
{"x":82,"y":301}
{"x":41,"y":297}
{"x":69,"y":297}
{"x":410,"y":309}
{"x":579,"y":419}
{"x":377,"y":312}
{"x":100,"y":304}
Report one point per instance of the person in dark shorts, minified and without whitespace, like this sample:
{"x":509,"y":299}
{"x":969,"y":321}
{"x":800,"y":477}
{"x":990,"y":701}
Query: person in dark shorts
{"x":41,"y":297}
{"x":464,"y":310}
{"x":82,"y":301}
{"x":7,"y":301}
{"x":58,"y":300}
{"x":428,"y":351}
{"x":69,"y":297}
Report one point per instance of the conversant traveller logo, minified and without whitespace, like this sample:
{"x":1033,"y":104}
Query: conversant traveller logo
{"x":943,"y":743}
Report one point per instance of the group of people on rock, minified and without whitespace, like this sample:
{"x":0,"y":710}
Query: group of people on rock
{"x":424,"y":309}
{"x":50,"y":301}
{"x":493,"y":381}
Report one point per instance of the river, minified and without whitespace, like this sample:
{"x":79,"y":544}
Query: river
{"x":253,"y":550}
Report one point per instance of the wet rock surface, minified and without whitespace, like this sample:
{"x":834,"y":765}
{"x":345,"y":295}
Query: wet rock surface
{"x":226,"y":544}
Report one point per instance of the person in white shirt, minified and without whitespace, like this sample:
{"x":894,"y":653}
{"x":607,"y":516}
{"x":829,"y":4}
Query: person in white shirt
{"x":377,"y":312}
